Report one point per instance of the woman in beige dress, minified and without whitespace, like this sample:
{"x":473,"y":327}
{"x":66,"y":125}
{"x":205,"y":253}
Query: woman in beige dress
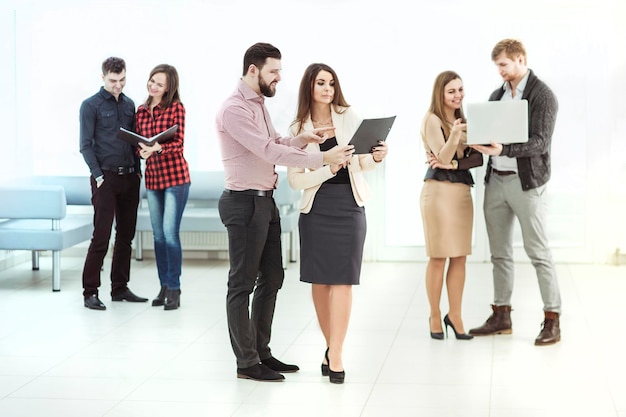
{"x":446,"y":201}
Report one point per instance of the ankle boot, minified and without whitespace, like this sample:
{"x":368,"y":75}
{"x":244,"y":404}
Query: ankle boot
{"x":172,"y":299}
{"x":498,"y":323}
{"x":160,"y":299}
{"x":550,"y":331}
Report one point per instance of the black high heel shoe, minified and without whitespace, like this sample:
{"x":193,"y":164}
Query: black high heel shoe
{"x":335,"y":377}
{"x":325,"y":369}
{"x":459,"y":336}
{"x":436,"y":336}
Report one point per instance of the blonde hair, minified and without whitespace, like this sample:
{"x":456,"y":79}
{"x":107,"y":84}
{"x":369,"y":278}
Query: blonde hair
{"x":511,"y":47}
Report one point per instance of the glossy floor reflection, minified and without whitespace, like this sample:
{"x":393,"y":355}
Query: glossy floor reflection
{"x":58,"y":358}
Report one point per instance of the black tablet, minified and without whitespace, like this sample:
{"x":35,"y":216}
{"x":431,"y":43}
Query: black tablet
{"x":369,"y":132}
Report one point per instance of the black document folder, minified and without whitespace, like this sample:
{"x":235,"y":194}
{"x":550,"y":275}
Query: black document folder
{"x":369,"y":132}
{"x":134,"y":138}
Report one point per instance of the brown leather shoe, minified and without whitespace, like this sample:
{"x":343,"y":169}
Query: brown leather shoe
{"x":550,"y":331}
{"x":498,"y":323}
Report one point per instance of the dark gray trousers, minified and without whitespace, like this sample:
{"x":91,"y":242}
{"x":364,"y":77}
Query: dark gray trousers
{"x":254,"y":245}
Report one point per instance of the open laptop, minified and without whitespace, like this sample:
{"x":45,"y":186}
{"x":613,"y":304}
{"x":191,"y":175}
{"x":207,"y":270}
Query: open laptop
{"x":497,"y":121}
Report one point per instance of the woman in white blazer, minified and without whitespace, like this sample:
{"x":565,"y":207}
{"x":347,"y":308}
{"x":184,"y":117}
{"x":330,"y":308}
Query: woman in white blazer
{"x":332,"y":221}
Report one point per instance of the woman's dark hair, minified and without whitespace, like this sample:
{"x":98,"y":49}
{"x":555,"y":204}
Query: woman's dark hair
{"x":171,"y":94}
{"x":305,"y":95}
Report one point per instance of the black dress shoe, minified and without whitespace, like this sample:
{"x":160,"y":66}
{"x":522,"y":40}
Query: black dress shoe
{"x":128,"y":295}
{"x":93,"y":303}
{"x":276,"y":365}
{"x":259,"y":372}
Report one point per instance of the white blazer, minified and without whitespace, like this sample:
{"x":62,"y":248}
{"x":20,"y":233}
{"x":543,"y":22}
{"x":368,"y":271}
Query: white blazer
{"x":310,"y":180}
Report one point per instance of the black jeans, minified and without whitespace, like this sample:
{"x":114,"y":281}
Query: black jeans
{"x":256,"y":265}
{"x":116,"y":199}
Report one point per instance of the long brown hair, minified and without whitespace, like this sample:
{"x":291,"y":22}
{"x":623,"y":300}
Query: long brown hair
{"x":436,"y":101}
{"x":305,"y":95}
{"x":171,"y":89}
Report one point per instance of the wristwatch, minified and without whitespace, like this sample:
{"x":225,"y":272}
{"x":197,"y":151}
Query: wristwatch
{"x":455,"y":164}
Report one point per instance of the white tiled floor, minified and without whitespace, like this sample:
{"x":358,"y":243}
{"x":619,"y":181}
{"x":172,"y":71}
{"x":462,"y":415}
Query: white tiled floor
{"x":59,"y":359}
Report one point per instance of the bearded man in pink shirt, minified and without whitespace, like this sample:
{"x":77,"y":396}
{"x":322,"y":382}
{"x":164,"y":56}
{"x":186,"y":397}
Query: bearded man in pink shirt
{"x":251,"y":148}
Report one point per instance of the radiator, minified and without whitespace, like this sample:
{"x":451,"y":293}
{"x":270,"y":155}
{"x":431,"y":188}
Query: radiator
{"x":194,"y":240}
{"x":213,"y":245}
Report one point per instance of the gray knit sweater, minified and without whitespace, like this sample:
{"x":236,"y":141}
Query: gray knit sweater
{"x":533,"y":157}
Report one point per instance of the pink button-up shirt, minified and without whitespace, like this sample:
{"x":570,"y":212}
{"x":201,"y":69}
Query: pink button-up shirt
{"x":250,"y":145}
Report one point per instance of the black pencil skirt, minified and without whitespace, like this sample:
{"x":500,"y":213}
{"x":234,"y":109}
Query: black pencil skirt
{"x":332,"y":236}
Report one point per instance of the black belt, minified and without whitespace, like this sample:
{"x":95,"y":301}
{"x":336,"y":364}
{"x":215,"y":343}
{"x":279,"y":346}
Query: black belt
{"x":119,"y":170}
{"x":258,"y":193}
{"x":503,"y":173}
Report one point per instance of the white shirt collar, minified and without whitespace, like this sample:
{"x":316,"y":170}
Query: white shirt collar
{"x":519,"y":90}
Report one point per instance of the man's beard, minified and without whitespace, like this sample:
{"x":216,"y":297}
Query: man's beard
{"x":265,"y":88}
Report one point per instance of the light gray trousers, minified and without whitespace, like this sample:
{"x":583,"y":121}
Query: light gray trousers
{"x":504,"y":201}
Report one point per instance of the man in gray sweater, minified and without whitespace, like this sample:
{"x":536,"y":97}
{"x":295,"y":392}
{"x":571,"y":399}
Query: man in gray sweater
{"x":515,"y":187}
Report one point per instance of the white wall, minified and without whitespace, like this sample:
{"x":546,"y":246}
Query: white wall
{"x":387,"y":54}
{"x":8,"y":103}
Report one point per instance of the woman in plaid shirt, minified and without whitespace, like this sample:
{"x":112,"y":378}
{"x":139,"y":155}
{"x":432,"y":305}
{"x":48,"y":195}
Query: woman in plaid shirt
{"x":167,"y":178}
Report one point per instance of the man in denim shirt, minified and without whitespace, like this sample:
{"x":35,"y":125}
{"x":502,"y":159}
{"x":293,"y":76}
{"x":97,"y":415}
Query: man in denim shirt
{"x":115,"y":179}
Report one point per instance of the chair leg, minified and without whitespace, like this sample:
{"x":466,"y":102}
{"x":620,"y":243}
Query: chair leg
{"x":284,"y":237}
{"x":56,"y":270}
{"x":293,"y":251}
{"x":139,"y":246}
{"x":35,"y":260}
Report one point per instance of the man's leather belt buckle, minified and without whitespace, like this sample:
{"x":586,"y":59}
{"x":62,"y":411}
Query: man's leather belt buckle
{"x":503,"y":173}
{"x":257,"y":193}
{"x":120,"y":170}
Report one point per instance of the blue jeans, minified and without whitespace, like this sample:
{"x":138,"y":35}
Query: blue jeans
{"x":166,"y":211}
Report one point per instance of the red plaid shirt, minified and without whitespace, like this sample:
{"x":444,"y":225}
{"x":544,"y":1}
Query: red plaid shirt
{"x":169,"y":168}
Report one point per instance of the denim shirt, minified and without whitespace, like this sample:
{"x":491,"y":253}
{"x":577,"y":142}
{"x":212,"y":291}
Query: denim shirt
{"x":101,"y":117}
